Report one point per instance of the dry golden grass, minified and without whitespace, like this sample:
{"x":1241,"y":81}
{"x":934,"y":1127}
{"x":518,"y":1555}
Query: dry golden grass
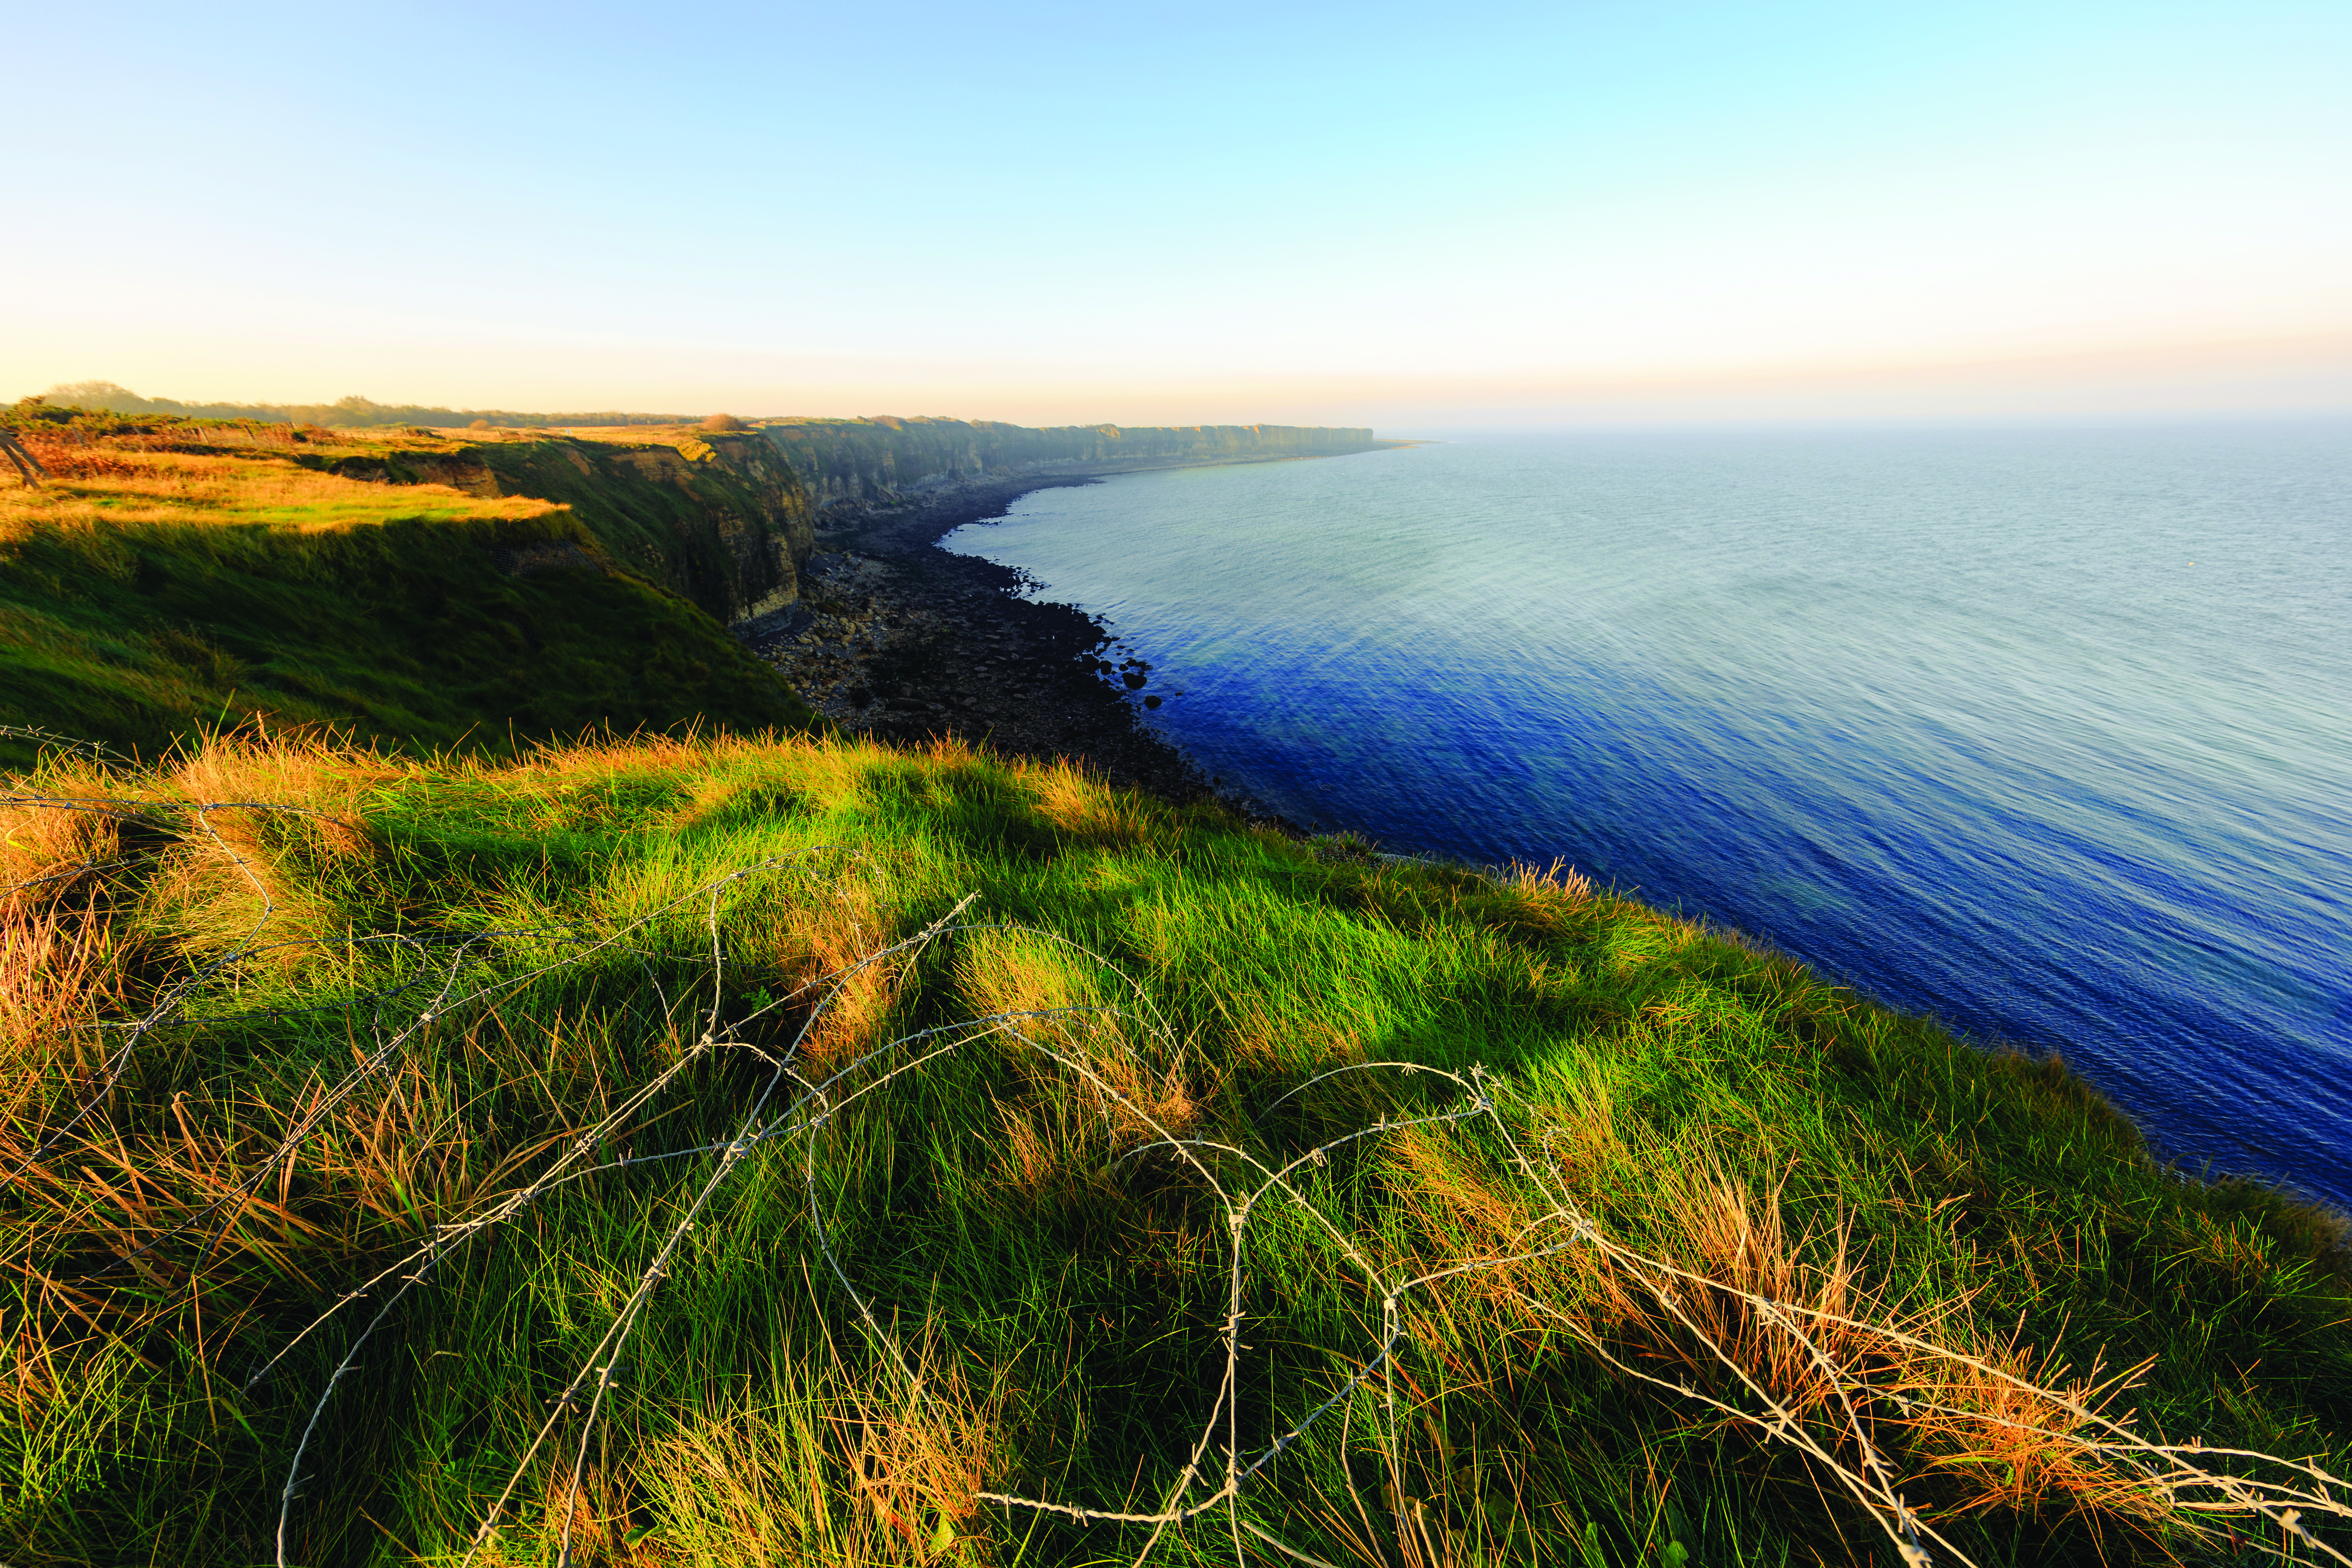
{"x":679,"y":435}
{"x":1081,"y":805}
{"x":212,"y":881}
{"x":61,"y":964}
{"x":846,"y":1473}
{"x":40,"y":842}
{"x":922,"y":1457}
{"x":105,"y":484}
{"x":1269,"y":1041}
{"x":841,"y":936}
{"x":302,"y":771}
{"x":1774,"y":1336}
{"x":262,"y":873}
{"x":1559,"y":889}
{"x":1131,"y":1084}
{"x":1011,"y":972}
{"x":58,"y":971}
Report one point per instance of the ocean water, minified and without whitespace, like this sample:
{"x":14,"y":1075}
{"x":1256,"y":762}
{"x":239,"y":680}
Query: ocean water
{"x":2048,"y":733}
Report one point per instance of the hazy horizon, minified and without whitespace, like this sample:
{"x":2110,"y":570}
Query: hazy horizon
{"x":1538,"y":216}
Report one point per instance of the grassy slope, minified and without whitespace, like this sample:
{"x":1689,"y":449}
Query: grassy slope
{"x":145,"y":593}
{"x":1063,"y":1296}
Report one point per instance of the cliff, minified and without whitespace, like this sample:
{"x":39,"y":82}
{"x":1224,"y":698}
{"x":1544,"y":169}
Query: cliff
{"x":720,"y":518}
{"x":418,"y":586}
{"x":854,"y":462}
{"x":726,"y":518}
{"x":169,"y":576}
{"x":723,"y":518}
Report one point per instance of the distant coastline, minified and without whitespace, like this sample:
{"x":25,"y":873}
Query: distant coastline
{"x":901,"y":638}
{"x":564,"y":577}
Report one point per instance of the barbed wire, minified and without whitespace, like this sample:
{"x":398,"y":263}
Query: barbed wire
{"x":791,"y":1110}
{"x":71,"y":744}
{"x":170,"y":1007}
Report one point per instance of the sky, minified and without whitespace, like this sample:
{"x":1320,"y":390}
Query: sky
{"x":1402,"y":217}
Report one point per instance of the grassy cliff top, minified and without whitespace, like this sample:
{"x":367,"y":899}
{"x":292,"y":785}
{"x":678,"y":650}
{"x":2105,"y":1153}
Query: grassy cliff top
{"x":693,"y":439}
{"x":171,"y":574}
{"x":228,"y":477}
{"x":742,"y":1151}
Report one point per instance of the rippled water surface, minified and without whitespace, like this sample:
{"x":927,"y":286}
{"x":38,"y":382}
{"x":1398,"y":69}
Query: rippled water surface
{"x":2049,"y":734}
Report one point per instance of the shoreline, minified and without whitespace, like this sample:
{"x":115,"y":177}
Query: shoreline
{"x":896,"y":638}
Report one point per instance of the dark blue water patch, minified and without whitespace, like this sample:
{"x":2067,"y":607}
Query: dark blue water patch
{"x":2046,"y":733}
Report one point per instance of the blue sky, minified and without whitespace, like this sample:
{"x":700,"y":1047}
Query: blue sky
{"x":1371,"y":214}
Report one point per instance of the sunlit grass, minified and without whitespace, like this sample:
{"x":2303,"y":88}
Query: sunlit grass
{"x":97,"y":486}
{"x":162,"y":583}
{"x":1715,"y":1201}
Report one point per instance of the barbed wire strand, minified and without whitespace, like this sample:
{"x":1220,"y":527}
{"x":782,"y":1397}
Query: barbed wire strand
{"x":2174,"y":1473}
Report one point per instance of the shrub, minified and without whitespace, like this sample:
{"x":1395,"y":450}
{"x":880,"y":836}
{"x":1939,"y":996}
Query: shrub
{"x":724,"y":422}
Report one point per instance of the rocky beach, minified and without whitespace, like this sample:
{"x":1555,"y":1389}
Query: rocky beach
{"x":897,"y":638}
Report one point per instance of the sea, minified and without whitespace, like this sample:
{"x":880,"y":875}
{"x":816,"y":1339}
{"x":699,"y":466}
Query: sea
{"x":2045,"y":732}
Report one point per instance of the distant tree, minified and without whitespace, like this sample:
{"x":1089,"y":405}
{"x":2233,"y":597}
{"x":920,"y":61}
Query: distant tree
{"x":724,"y":422}
{"x":479,"y":424}
{"x":347,"y":412}
{"x":97,"y":394}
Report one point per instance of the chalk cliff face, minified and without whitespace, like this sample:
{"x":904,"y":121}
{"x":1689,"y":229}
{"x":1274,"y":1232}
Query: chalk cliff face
{"x":850,"y":462}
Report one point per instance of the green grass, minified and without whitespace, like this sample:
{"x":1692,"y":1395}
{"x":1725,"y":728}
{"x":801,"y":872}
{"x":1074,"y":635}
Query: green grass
{"x":621,"y":946}
{"x":156,"y":586}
